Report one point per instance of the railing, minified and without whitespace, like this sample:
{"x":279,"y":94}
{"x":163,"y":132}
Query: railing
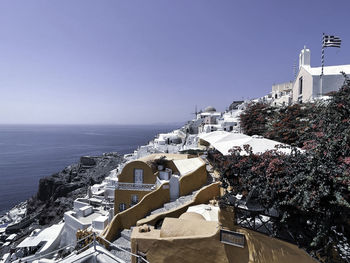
{"x":139,"y":257}
{"x":95,"y":241}
{"x":132,"y":186}
{"x":262,"y":221}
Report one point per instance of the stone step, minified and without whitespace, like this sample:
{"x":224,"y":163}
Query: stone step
{"x":159,"y":210}
{"x":185,"y":198}
{"x":123,"y":243}
{"x":126,"y":257}
{"x":168,"y":206}
{"x":126,"y":233}
{"x":174,"y":204}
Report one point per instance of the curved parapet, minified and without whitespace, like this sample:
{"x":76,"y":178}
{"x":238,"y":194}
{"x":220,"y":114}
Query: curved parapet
{"x":193,"y":180}
{"x":180,"y":240}
{"x":129,"y":217}
{"x":205,"y":194}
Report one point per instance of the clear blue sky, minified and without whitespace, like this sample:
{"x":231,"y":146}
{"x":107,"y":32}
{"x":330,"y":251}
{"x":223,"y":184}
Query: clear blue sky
{"x":146,"y":61}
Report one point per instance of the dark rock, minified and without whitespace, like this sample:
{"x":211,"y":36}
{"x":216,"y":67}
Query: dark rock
{"x":57,"y":193}
{"x":87,"y":160}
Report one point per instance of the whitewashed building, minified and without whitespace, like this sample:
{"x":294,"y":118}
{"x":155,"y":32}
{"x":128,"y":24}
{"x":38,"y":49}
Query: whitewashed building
{"x":282,"y":94}
{"x":210,"y":120}
{"x":307,"y":85}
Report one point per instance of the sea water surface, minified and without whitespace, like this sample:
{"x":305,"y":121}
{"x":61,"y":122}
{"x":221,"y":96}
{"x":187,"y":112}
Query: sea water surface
{"x":30,"y":152}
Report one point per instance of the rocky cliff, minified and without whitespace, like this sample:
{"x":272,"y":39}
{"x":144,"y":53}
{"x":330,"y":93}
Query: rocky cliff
{"x":57,"y":192}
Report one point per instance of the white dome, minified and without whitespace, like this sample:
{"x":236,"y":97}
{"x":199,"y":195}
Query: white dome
{"x":209,"y":109}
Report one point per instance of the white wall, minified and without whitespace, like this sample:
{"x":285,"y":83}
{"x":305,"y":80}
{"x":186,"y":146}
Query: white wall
{"x":311,"y":85}
{"x":307,"y":86}
{"x":329,"y":83}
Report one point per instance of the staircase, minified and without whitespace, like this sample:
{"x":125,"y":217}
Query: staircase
{"x":123,"y":241}
{"x":174,"y":204}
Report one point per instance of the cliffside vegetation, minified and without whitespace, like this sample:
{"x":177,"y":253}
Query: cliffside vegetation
{"x":310,"y":189}
{"x":285,"y":124}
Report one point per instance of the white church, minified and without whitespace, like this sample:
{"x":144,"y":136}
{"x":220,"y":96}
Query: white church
{"x":308,"y":84}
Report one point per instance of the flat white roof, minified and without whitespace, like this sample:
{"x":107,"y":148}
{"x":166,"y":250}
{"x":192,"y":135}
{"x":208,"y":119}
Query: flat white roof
{"x":188,"y":165}
{"x":329,"y":70}
{"x":216,"y":136}
{"x":101,"y":219}
{"x":48,"y":234}
{"x":11,"y":237}
{"x":259,"y":145}
{"x":225,"y":141}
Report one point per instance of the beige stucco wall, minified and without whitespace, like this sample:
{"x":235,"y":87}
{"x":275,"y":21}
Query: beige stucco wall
{"x":203,"y":245}
{"x":124,"y":196}
{"x":260,"y":248}
{"x":226,"y":218}
{"x":127,"y":175}
{"x":202,"y":248}
{"x":193,"y":181}
{"x":129,"y":217}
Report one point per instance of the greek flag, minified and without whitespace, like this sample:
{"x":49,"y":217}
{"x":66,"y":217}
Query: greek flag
{"x":331,"y":41}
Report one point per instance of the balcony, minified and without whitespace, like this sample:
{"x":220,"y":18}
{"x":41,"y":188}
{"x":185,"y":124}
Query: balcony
{"x":132,"y":186}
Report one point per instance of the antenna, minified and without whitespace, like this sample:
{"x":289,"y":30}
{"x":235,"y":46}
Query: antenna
{"x":294,"y":69}
{"x":195,"y":111}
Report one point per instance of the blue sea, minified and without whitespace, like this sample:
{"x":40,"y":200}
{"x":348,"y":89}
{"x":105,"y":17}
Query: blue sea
{"x":30,"y":152}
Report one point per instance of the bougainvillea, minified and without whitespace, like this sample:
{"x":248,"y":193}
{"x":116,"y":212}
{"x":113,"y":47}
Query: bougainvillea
{"x":255,"y":118}
{"x":285,"y":124}
{"x":290,"y":123}
{"x":310,"y":189}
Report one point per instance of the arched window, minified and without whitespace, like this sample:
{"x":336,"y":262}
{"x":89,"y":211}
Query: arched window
{"x":122,"y":207}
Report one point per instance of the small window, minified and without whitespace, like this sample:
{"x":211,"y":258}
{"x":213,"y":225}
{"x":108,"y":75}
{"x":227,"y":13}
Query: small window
{"x":138,"y":176}
{"x":134,"y":199}
{"x":122,"y":207}
{"x":300,"y":85}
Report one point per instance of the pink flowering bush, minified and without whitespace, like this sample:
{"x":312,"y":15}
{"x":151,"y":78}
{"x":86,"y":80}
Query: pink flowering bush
{"x":310,"y":189}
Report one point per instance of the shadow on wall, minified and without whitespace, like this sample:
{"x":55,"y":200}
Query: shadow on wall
{"x":193,"y":180}
{"x":129,"y":217}
{"x":208,"y":248}
{"x":203,"y":196}
{"x":153,"y":200}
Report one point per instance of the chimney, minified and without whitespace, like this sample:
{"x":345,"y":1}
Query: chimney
{"x":304,"y":57}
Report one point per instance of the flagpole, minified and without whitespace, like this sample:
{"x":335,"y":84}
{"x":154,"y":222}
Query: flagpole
{"x":322,"y":65}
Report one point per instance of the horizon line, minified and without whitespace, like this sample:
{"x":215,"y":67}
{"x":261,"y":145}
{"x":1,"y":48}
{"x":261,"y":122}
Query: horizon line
{"x":95,"y":124}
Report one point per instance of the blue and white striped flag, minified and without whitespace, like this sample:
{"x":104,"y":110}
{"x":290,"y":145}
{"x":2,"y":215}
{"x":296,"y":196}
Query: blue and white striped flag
{"x":331,"y":41}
